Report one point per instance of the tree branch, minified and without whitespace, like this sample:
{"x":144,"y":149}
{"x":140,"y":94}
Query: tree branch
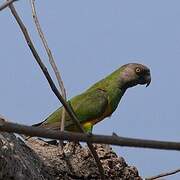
{"x":51,"y":61}
{"x":101,"y":139}
{"x":52,"y":85}
{"x":6,"y":4}
{"x":163,"y":174}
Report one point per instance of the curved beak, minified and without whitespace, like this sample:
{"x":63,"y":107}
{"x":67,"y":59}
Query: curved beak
{"x":145,"y":79}
{"x":148,"y":80}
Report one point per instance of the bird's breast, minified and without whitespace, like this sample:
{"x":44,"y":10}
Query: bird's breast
{"x":106,"y":113}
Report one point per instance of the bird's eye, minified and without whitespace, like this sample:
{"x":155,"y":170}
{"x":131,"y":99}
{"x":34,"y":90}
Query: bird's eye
{"x":138,"y":70}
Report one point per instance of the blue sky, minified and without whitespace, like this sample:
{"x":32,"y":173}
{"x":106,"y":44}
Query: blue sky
{"x":89,"y":40}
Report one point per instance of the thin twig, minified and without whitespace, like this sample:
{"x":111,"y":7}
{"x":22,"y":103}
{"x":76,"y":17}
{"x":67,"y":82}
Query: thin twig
{"x":51,"y":83}
{"x":6,"y":4}
{"x":163,"y":174}
{"x":51,"y":61}
{"x":94,"y":138}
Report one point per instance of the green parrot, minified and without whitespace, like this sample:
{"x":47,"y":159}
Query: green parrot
{"x":101,"y":99}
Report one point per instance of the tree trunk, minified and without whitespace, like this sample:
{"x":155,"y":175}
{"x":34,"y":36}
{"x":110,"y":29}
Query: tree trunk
{"x":36,"y":159}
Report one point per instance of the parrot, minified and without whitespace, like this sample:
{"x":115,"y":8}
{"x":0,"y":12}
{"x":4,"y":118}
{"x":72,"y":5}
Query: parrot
{"x":101,"y":99}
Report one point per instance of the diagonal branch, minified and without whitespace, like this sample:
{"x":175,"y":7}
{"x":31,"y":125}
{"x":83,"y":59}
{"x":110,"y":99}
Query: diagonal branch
{"x":101,"y":139}
{"x":52,"y":85}
{"x":51,"y":61}
{"x":163,"y":174}
{"x":6,"y":4}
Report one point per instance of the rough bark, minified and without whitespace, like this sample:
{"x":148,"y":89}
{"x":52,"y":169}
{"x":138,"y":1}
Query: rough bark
{"x":36,"y":159}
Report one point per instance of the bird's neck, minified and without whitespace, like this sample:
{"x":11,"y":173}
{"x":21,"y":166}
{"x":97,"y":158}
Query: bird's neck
{"x":114,"y":96}
{"x":114,"y":89}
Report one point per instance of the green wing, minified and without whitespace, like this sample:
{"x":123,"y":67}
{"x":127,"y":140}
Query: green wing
{"x":87,"y":106}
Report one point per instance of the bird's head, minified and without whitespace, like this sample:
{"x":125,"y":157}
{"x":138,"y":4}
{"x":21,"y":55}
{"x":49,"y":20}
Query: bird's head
{"x":133,"y":74}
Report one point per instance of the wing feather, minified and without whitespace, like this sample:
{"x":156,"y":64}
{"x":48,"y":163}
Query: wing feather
{"x":87,"y":106}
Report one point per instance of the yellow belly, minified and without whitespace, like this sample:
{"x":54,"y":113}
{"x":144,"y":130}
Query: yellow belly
{"x":107,"y":113}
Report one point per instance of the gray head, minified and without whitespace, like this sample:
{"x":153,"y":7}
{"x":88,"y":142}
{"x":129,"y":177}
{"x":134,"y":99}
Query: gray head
{"x":133,"y":74}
